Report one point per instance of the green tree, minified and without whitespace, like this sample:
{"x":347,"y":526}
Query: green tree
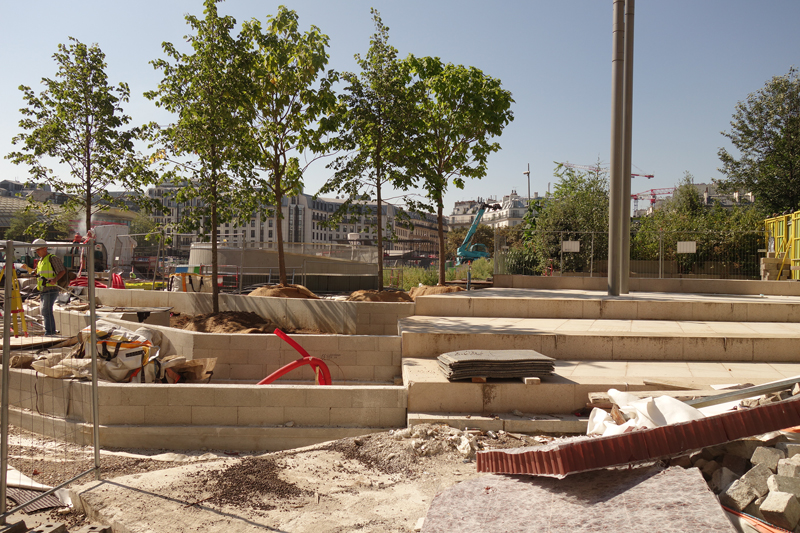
{"x":765,"y":130}
{"x":461,"y":109}
{"x":204,"y":149}
{"x":376,"y":116}
{"x":578,"y":207}
{"x":287,"y":99}
{"x":484,"y":234}
{"x":77,"y":121}
{"x":27,"y":225}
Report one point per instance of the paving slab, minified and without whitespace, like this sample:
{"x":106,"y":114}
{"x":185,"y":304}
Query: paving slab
{"x":642,"y":499}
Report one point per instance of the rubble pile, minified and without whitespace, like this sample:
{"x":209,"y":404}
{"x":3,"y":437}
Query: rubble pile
{"x":758,"y":476}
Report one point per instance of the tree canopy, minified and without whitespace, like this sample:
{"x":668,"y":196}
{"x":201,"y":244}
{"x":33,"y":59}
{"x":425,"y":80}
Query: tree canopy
{"x":375,"y":118}
{"x":461,"y":110}
{"x":765,"y":131}
{"x":78,"y":121}
{"x":203,"y":150}
{"x":290,"y":94}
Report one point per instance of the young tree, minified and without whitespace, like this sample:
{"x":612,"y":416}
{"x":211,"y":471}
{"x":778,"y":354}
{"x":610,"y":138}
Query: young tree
{"x":287,"y":99}
{"x":376,"y":117}
{"x":462,"y":108}
{"x":766,"y":132}
{"x":203,"y":149}
{"x":579,"y":205}
{"x":77,"y":121}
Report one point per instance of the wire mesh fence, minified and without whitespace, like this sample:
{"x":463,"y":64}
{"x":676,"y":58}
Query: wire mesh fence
{"x":661,"y":254}
{"x":42,"y":418}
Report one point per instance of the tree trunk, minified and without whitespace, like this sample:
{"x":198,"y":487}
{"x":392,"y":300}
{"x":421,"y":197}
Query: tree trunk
{"x":380,"y":241}
{"x":439,"y":210}
{"x":214,"y":261}
{"x":279,"y":231}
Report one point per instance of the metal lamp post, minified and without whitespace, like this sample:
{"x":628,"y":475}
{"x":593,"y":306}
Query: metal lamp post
{"x":528,"y":174}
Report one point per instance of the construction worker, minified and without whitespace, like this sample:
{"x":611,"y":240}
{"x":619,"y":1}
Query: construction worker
{"x":49,"y":272}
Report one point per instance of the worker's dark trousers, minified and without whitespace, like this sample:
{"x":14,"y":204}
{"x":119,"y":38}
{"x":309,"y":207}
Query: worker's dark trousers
{"x":48,"y":299}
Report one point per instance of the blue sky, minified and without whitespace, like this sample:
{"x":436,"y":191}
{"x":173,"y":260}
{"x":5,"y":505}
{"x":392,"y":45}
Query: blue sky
{"x":694,"y":60}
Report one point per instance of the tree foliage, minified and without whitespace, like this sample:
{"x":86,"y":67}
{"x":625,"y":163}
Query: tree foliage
{"x":577,"y":210}
{"x":28,"y":224}
{"x":203,"y":149}
{"x":461,"y":110}
{"x":721,"y":234}
{"x":765,"y":131}
{"x":289,"y":93}
{"x":78,"y":121}
{"x":376,"y":117}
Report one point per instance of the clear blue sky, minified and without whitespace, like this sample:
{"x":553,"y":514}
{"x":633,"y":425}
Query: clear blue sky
{"x":694,"y":60}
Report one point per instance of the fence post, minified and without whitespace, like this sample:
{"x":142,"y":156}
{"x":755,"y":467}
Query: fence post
{"x":9,"y":249}
{"x":591,"y":259}
{"x":660,"y":254}
{"x":561,"y":247}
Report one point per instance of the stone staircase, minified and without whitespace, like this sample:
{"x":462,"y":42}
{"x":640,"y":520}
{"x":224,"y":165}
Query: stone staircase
{"x":627,"y":342}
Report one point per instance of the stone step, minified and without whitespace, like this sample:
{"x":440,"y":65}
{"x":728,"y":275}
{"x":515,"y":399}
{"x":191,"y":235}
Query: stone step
{"x":512,"y":405}
{"x":585,"y":304}
{"x":586,"y":339}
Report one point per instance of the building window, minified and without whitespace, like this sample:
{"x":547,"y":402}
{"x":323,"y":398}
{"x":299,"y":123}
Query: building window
{"x":270,"y":225}
{"x":270,"y":234}
{"x":252,"y":234}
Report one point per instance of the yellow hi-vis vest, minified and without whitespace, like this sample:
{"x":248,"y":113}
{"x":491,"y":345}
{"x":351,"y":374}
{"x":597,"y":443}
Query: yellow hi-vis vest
{"x":44,"y":270}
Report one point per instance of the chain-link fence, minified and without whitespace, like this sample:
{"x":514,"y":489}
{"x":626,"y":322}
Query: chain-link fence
{"x":43,"y":418}
{"x":662,"y":254}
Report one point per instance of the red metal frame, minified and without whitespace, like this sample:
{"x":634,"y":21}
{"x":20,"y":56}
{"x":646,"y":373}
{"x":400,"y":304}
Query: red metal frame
{"x":315,"y":363}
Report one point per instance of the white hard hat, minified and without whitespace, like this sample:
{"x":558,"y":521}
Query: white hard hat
{"x":41,"y":242}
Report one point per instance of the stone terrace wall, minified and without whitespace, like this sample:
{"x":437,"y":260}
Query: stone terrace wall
{"x":678,"y":285}
{"x":189,"y":415}
{"x":328,"y":316}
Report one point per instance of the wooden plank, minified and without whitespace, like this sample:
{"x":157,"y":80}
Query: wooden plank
{"x":669,"y":384}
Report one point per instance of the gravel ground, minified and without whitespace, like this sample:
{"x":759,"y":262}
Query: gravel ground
{"x":283,"y":483}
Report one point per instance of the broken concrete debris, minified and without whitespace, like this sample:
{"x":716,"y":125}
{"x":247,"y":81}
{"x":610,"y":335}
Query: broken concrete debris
{"x":761,"y":491}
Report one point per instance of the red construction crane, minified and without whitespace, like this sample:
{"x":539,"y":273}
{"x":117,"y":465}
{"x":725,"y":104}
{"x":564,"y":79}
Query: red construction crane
{"x":598,"y":169}
{"x":652,"y":194}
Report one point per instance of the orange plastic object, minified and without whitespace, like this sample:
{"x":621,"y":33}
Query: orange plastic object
{"x":318,"y":365}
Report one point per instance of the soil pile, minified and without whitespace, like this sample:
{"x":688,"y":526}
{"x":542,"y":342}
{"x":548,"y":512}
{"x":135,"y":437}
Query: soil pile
{"x":427,"y":289}
{"x":225,"y":322}
{"x":382,"y":296}
{"x":285,"y":291}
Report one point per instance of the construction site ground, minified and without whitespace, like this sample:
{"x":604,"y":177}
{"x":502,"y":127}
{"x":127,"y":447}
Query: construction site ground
{"x":383,"y":482}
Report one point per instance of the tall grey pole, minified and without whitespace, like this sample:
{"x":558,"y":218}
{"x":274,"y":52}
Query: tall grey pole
{"x":626,"y":157}
{"x":528,"y":173}
{"x":615,"y":196}
{"x":93,"y":350}
{"x":6,"y":359}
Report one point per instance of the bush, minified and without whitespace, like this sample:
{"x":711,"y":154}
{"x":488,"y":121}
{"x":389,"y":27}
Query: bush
{"x":523,"y":260}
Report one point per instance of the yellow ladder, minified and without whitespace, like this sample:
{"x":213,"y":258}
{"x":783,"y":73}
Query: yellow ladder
{"x":17,"y":312}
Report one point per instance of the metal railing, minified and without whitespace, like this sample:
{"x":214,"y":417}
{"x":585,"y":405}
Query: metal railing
{"x":661,"y":254}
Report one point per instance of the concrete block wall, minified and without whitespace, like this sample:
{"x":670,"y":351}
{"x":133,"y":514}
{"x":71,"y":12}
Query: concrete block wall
{"x":182,"y":415}
{"x":329,"y":316}
{"x":252,"y":357}
{"x":69,"y":323}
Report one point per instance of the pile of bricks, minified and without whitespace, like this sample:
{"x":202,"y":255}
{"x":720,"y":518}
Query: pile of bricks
{"x":758,"y":476}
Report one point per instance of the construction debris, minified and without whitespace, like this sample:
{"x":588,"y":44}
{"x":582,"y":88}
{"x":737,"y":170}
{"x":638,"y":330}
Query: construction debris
{"x":591,"y":453}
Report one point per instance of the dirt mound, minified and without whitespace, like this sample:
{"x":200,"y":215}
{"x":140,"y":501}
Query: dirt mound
{"x":227,"y":322}
{"x":285,"y":291}
{"x":438,"y":289}
{"x":382,"y":296}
